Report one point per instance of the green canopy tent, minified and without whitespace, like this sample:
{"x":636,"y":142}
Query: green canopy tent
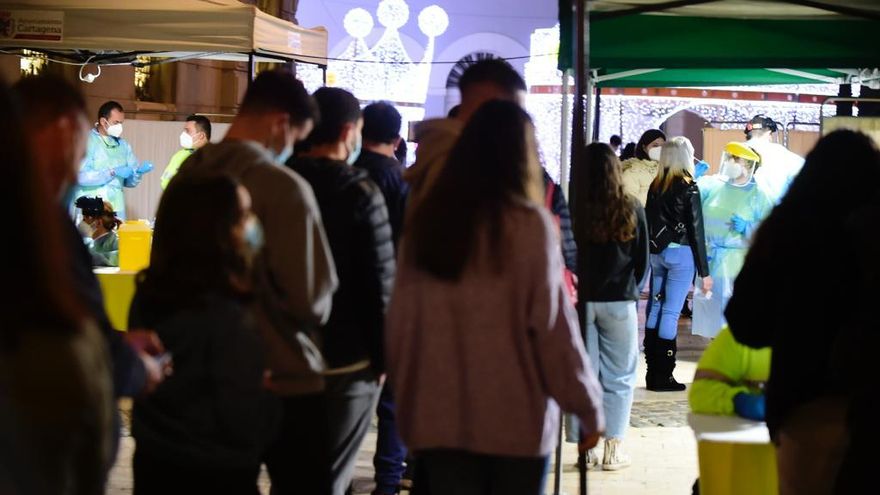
{"x":680,"y":43}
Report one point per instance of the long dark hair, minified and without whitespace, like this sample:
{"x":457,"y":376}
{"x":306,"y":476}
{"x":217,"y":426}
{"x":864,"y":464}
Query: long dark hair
{"x":647,"y":138}
{"x":37,"y":270}
{"x":488,"y":169}
{"x":604,"y":212}
{"x":194,"y":254}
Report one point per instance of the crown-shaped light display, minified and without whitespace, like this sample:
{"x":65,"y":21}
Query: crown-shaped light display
{"x":386,"y":71}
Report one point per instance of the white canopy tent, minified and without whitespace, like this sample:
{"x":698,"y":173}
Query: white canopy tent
{"x":113,"y":31}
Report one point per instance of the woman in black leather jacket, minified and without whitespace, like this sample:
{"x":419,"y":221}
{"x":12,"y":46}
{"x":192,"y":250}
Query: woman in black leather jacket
{"x":678,"y":248}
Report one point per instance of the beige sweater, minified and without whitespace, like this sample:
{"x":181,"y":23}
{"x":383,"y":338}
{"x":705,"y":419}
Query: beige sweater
{"x":637,"y":175}
{"x":480,"y":365}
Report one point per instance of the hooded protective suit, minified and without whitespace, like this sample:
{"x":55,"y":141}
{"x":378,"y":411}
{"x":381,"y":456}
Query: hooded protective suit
{"x":779,"y":166}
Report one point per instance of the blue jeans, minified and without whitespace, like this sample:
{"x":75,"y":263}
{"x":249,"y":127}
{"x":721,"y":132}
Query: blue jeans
{"x":390,"y":457}
{"x":672,"y":273}
{"x":458,"y":472}
{"x":612,"y":330}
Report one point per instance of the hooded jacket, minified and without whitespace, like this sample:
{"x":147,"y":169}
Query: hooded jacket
{"x":435,"y":139}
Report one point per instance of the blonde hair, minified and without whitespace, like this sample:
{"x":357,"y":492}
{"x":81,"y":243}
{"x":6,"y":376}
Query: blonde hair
{"x":676,"y":162}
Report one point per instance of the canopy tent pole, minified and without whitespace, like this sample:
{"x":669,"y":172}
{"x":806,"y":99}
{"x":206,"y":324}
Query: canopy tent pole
{"x":598,"y":113}
{"x":626,"y":73}
{"x":804,"y":74}
{"x":581,"y":81}
{"x":588,"y":110}
{"x":564,"y":142}
{"x":252,"y":68}
{"x":578,"y":139}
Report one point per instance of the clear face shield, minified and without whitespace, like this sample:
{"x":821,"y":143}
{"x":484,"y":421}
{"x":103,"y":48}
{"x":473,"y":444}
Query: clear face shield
{"x":736,"y":170}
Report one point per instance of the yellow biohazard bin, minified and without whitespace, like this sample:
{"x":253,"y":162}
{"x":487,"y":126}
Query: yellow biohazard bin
{"x":736,"y":456}
{"x":135,"y":239}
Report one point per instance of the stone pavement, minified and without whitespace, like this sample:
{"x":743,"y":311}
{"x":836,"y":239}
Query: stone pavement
{"x":663,"y":448}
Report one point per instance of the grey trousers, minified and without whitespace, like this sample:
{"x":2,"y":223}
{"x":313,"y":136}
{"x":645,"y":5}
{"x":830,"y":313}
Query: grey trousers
{"x":351,"y":400}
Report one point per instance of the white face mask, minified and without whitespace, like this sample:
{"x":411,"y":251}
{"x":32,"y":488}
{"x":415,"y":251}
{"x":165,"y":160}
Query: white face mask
{"x":186,"y":141}
{"x":114,"y":130}
{"x":85,"y":229}
{"x":731,"y":170}
{"x":654,"y":153}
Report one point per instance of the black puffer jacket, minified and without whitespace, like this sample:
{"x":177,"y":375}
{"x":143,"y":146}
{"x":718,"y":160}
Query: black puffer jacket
{"x":356,"y":222}
{"x":559,"y":208}
{"x":387,"y":173}
{"x":678,"y":209}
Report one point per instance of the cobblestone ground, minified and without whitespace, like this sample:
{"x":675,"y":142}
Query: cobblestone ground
{"x":663,"y":448}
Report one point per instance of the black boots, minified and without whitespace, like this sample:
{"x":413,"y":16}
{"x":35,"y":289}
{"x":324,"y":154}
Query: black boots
{"x":650,"y":344}
{"x":661,"y":362}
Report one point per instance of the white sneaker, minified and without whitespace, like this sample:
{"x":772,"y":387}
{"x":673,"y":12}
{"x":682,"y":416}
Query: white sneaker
{"x":592,"y":460}
{"x":614,"y":458}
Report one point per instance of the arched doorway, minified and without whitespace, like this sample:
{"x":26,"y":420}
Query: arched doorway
{"x":689,"y":124}
{"x":453,"y":97}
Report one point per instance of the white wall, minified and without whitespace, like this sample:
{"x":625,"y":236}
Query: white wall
{"x":156,"y":142}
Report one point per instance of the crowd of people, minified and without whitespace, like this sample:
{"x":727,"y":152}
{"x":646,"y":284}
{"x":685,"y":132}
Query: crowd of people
{"x":301,"y":280}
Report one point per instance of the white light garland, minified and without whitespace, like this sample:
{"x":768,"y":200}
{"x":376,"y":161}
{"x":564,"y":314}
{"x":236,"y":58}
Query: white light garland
{"x":433,"y":21}
{"x":393,"y":14}
{"x":358,"y":23}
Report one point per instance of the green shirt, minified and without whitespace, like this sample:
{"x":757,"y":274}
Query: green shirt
{"x":728,"y":368}
{"x":174,"y":164}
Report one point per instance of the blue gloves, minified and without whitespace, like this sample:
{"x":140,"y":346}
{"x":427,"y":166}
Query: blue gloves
{"x":145,"y":167}
{"x":750,"y":406}
{"x":124,"y":172}
{"x":739,"y":224}
{"x":700,"y":169}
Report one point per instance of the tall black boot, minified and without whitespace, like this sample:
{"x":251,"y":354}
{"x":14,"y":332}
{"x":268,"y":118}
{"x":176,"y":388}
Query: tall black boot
{"x":650,"y":344}
{"x":665,"y":355}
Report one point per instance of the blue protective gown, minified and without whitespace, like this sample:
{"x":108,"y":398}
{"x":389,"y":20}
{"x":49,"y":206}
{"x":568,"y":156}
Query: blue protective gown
{"x":725,"y":247}
{"x":103,"y":154}
{"x":104,"y":249}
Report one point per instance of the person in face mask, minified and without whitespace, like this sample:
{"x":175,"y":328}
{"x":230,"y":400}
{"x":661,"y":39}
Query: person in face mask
{"x":638,"y":172}
{"x":356,"y":219}
{"x":733,"y":207}
{"x":197,"y":294}
{"x":779,"y":166}
{"x":98,"y":226}
{"x":110,"y":164}
{"x":196,"y":133}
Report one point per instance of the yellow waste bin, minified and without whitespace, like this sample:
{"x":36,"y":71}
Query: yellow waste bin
{"x":135,"y":239}
{"x":736,"y":456}
{"x":117,"y":287}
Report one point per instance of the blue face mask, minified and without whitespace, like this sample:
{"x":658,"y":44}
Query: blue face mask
{"x":284,"y":155}
{"x":253,"y":235}
{"x":356,"y":152}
